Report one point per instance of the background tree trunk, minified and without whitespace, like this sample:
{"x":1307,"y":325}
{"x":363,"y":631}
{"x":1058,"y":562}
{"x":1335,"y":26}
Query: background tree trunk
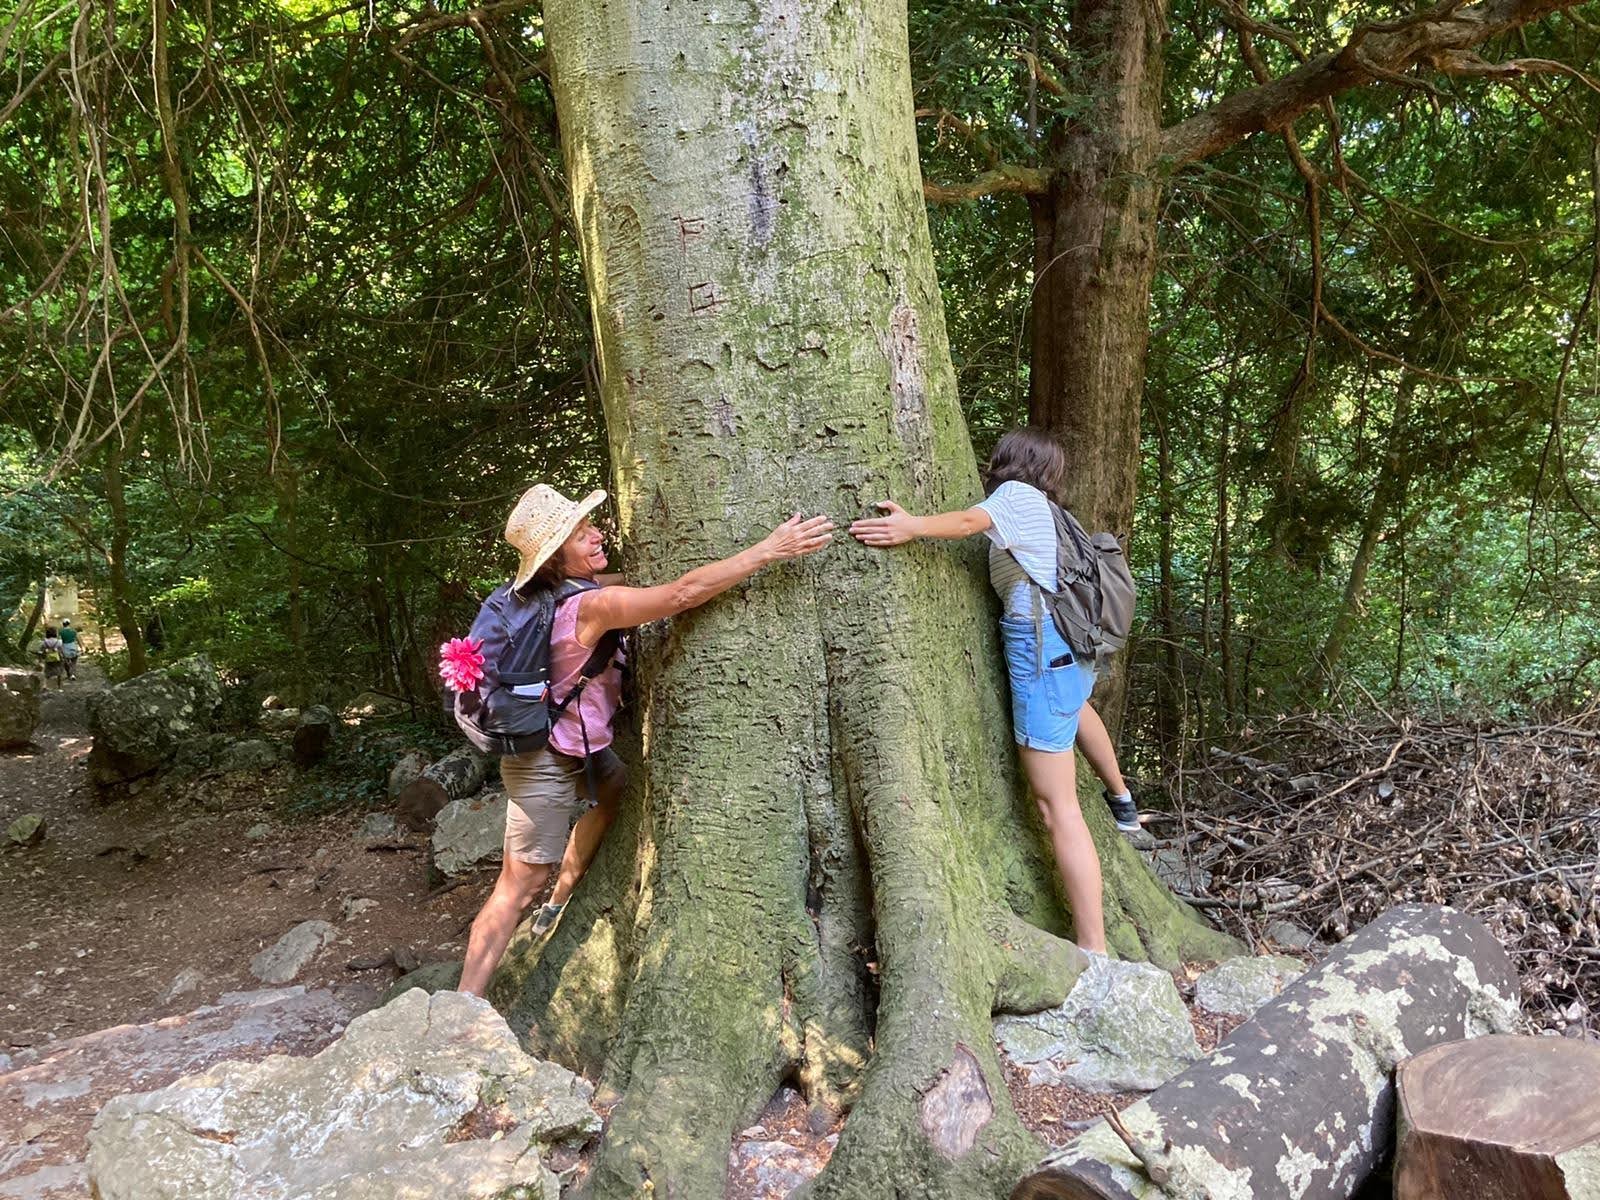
{"x":1094,"y":258}
{"x":1386,"y":491}
{"x":1170,"y":690}
{"x":122,"y":604}
{"x":34,"y":613}
{"x":827,"y":870}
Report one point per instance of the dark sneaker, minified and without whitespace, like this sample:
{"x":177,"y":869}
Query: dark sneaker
{"x":1125,"y":812}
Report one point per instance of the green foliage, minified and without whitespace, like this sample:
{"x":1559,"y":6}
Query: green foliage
{"x":355,"y":775}
{"x":383,"y":339}
{"x":371,"y":335}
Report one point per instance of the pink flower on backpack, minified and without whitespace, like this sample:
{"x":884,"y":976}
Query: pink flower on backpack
{"x":461,"y":664}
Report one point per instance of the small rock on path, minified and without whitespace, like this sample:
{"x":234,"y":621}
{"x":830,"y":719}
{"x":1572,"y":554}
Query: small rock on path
{"x":292,"y":953}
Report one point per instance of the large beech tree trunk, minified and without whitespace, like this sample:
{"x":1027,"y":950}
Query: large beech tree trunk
{"x":1299,"y":1101}
{"x":827,"y":870}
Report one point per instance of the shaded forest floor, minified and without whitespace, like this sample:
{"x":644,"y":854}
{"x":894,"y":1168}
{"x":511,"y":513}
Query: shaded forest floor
{"x":147,"y":910}
{"x":1329,"y":821}
{"x":122,"y":898}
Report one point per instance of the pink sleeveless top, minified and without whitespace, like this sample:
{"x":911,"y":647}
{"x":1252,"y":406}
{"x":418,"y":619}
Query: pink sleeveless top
{"x":601,"y":698}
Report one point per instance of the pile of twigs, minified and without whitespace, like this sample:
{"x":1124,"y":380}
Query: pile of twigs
{"x":1327,"y":823}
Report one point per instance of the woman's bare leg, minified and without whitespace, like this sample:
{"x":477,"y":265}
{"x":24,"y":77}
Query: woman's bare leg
{"x":586,"y":837}
{"x":1096,"y":745}
{"x":1053,"y":776}
{"x":492,"y":928}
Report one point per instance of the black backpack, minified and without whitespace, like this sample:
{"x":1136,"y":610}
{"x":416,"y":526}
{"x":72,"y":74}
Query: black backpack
{"x":1092,"y":605}
{"x":513,"y":708}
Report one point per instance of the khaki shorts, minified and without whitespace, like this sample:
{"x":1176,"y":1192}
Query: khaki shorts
{"x":547,"y":794}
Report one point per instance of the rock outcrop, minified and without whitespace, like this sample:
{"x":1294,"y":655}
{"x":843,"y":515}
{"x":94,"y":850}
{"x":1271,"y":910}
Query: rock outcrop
{"x":292,"y":953}
{"x":427,"y":1096}
{"x":19,"y":706}
{"x":469,"y":833}
{"x":139,"y":726}
{"x":1299,"y":1100}
{"x":1239,"y":986}
{"x":1122,"y":1027}
{"x":49,"y":1095}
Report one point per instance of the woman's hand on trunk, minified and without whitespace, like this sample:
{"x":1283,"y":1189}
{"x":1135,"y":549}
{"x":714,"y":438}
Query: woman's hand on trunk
{"x":894,"y":529}
{"x":797,"y":537}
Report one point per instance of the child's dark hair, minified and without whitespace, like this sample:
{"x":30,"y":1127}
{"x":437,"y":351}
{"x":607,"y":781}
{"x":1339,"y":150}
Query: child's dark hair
{"x":49,"y":631}
{"x":1027,"y":455}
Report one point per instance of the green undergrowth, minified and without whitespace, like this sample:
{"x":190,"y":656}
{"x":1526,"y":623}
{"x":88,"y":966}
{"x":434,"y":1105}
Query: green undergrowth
{"x":354,"y":776}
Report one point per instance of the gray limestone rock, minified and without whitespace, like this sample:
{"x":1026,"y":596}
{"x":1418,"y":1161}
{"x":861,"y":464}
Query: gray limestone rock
{"x":771,"y":1169}
{"x":50,"y":1094}
{"x":432,"y":977}
{"x":186,"y":981}
{"x":407,"y":769}
{"x":1239,"y":986}
{"x":248,"y":757}
{"x":469,"y":833}
{"x":378,"y":827}
{"x":373,"y":704}
{"x":139,"y":726}
{"x":279,"y":720}
{"x":429,"y":1096}
{"x":292,"y":953}
{"x":354,"y":906}
{"x":1123,"y":1027}
{"x":26,"y":830}
{"x":19,"y":706}
{"x":1175,"y":869}
{"x":1290,"y":936}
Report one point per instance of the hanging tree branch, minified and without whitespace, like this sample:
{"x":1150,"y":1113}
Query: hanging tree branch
{"x":1436,"y":38}
{"x":1028,"y":181}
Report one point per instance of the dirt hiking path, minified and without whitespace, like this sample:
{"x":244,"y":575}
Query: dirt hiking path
{"x":100,"y":920}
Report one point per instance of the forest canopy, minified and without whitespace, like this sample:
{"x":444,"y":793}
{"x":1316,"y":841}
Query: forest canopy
{"x":291,"y":308}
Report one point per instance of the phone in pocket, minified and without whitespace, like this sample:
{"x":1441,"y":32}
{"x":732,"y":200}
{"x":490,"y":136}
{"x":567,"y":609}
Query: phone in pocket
{"x":1062,"y":660}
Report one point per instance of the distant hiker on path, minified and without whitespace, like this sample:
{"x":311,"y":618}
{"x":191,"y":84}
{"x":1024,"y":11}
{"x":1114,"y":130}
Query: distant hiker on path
{"x":69,"y":648}
{"x":1050,"y":684}
{"x":563,"y":555}
{"x":52,"y":655}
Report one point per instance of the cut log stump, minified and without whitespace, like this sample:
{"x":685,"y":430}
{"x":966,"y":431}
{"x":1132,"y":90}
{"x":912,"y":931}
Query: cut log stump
{"x":1516,"y":1118}
{"x":1299,"y":1100}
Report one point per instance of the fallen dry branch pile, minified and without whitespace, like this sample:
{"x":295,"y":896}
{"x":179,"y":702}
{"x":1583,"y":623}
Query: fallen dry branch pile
{"x":1329,"y":822}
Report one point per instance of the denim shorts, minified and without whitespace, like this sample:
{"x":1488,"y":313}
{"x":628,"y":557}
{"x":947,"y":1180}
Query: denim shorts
{"x":1045,"y":698}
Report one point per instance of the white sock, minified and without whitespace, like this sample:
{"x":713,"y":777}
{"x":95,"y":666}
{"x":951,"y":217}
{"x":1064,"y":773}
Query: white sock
{"x":1124,"y":794}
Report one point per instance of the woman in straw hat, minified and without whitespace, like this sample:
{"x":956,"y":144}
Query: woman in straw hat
{"x":546,"y":787}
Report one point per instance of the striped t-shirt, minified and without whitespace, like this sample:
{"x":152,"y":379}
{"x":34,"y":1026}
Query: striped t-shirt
{"x":1022,"y":525}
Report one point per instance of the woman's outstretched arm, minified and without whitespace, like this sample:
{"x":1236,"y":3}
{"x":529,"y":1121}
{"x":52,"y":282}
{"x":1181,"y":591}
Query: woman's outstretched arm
{"x":625,"y":607}
{"x":899,"y":526}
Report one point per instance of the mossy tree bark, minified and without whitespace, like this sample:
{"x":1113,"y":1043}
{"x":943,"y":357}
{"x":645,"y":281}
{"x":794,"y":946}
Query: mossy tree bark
{"x":828,"y":870}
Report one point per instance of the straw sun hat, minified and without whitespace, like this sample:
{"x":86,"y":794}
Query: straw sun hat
{"x":541,"y":521}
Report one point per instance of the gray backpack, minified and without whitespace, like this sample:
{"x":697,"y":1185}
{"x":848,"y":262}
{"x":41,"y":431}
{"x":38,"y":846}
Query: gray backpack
{"x":1092,"y":605}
